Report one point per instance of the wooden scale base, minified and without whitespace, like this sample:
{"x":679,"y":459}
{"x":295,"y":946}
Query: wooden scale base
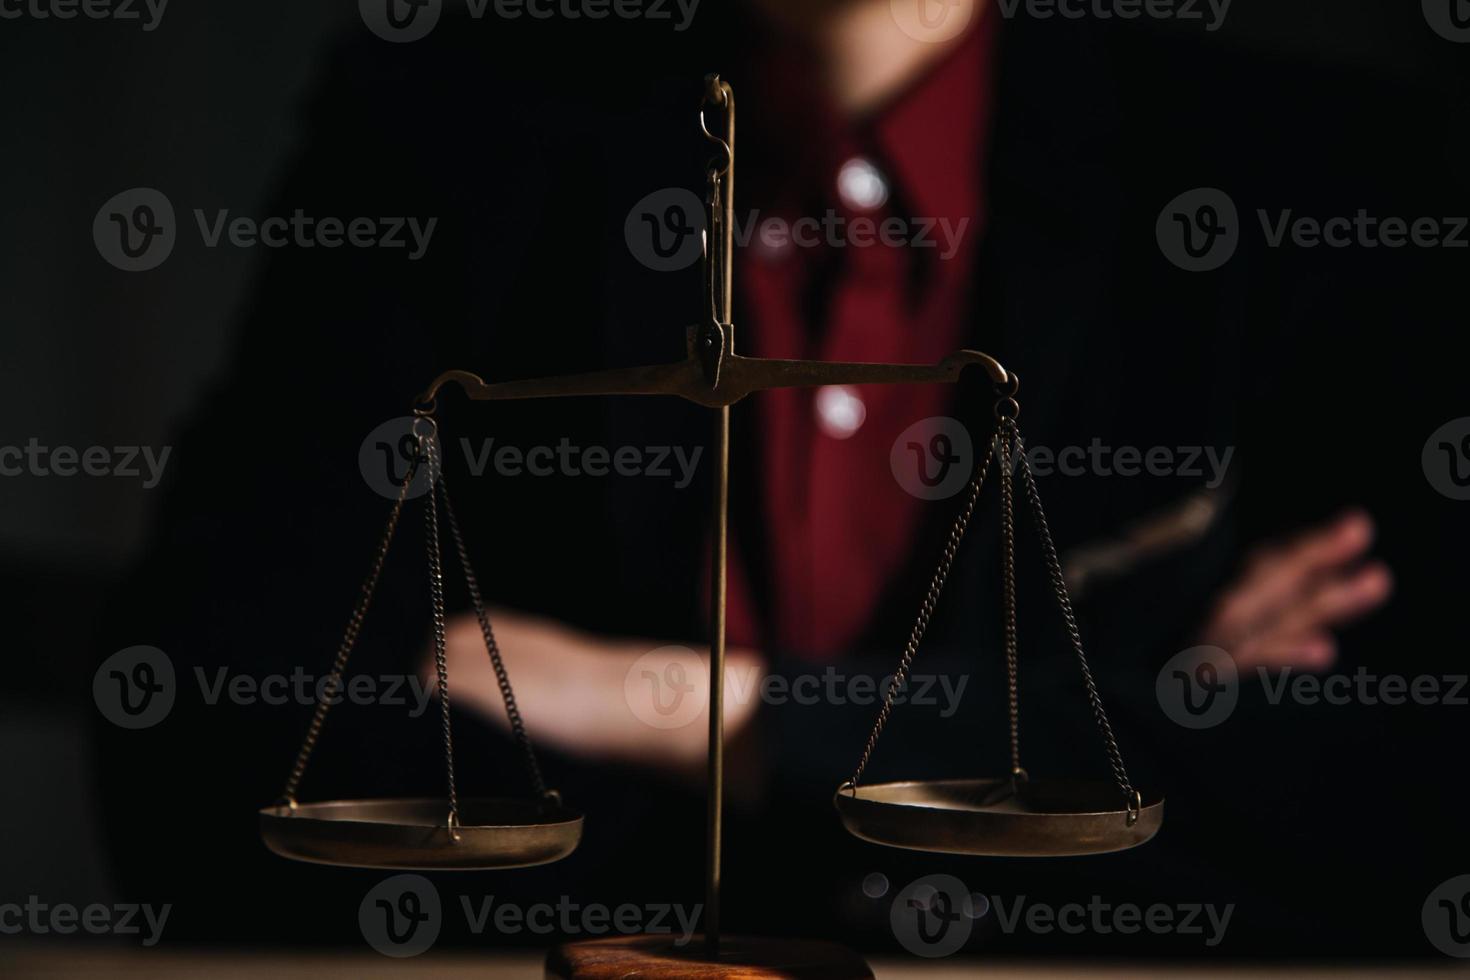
{"x":739,"y":958}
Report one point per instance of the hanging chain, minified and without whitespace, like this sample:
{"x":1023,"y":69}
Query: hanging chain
{"x":349,"y":640}
{"x":1006,"y":438}
{"x":718,"y":174}
{"x":931,"y":599}
{"x":714,"y":245}
{"x":517,"y":725}
{"x":1008,"y":443}
{"x":1064,"y":602}
{"x":436,"y":594}
{"x":425,"y":431}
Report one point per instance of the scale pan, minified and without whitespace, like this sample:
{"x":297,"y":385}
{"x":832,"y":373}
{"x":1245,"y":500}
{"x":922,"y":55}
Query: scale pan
{"x":1045,"y":818}
{"x":411,"y":833}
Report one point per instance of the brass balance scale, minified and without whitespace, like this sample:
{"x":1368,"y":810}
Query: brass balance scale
{"x":1012,"y":815}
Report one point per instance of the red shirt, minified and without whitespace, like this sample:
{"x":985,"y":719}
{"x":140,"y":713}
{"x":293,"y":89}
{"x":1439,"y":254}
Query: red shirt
{"x":838,"y":525}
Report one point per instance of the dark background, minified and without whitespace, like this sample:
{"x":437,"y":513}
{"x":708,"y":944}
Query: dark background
{"x":1321,"y":108}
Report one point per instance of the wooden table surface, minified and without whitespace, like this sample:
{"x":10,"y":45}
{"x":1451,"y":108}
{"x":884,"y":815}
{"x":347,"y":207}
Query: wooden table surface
{"x":27,"y":961}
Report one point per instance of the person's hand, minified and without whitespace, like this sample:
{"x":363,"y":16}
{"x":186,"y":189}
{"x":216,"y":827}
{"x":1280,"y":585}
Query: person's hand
{"x":1282,"y":609}
{"x":617,"y":699}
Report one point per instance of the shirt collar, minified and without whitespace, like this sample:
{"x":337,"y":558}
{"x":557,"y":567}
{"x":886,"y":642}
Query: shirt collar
{"x":929,"y":142}
{"x":932,"y":139}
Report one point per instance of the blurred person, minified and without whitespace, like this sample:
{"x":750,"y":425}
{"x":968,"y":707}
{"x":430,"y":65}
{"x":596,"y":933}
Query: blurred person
{"x":1009,"y":136}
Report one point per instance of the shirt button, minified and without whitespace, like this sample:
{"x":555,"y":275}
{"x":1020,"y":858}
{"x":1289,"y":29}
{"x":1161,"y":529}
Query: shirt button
{"x":840,"y":412}
{"x":861,"y":185}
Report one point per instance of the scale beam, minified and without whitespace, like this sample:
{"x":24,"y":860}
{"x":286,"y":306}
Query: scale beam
{"x":713,"y":375}
{"x":735,"y":376}
{"x":1012,"y":816}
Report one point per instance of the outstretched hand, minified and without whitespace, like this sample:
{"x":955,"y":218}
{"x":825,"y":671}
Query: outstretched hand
{"x":1282,"y":610}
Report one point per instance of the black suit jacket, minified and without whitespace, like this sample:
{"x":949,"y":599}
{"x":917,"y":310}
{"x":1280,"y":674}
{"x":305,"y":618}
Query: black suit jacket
{"x":530,"y":158}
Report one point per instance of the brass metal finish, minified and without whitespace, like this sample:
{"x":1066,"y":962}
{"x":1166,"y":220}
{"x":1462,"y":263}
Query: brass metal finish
{"x":926,"y":609}
{"x":448,"y":834}
{"x":713,"y":375}
{"x":718,"y":341}
{"x":411,"y":834}
{"x":1008,"y":816}
{"x":1012,"y":816}
{"x":997,"y":817}
{"x":738,"y":377}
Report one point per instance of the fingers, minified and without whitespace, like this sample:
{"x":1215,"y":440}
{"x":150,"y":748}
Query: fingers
{"x":1339,"y":600}
{"x":1301,"y":636}
{"x":1282,"y":610}
{"x":1279,"y":578}
{"x":1278,"y":649}
{"x":1321,"y":548}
